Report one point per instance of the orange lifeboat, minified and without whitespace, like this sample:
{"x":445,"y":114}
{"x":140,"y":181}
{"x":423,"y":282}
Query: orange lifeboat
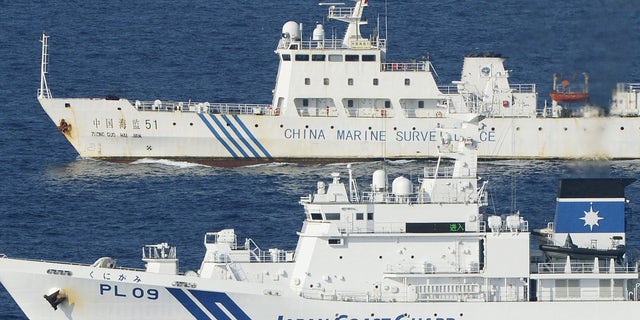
{"x":569,"y":96}
{"x":563,"y":93}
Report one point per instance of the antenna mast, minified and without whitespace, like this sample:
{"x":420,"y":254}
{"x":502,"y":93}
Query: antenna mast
{"x":44,"y":91}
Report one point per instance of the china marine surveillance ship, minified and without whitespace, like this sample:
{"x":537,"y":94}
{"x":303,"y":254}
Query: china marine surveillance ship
{"x":339,"y":97}
{"x":396,"y":251}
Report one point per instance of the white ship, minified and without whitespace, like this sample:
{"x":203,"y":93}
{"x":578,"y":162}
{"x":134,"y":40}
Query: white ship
{"x":340,"y":98}
{"x":393,"y":252}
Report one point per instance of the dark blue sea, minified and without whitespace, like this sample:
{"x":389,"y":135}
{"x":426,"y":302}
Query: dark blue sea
{"x":55,"y":206}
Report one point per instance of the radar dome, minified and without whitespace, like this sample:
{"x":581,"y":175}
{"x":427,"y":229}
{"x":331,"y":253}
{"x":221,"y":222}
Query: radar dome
{"x":318,"y":33}
{"x":401,"y":186}
{"x":379,"y":180}
{"x":291,"y":30}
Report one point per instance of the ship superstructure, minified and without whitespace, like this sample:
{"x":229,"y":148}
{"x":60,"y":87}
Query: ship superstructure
{"x":405,"y":248}
{"x":338,"y":97}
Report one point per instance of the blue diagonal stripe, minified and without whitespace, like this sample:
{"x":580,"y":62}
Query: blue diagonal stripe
{"x":215,"y":133}
{"x":228,"y":135}
{"x":239,"y":135}
{"x":209,"y":300}
{"x":191,"y":306}
{"x":253,"y":138}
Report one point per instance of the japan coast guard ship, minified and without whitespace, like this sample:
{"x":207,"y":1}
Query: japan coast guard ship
{"x":338,"y":98}
{"x":393,"y":252}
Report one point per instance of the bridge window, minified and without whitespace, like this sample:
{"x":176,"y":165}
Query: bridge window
{"x":334,"y":241}
{"x":302,"y":57}
{"x":350,"y":81}
{"x":335,"y":57}
{"x":420,"y":104}
{"x":375,"y":81}
{"x":316,"y":216}
{"x":286,"y":57}
{"x":387,"y":104}
{"x":359,"y":216}
{"x":307,"y":81}
{"x":305,"y":102}
{"x":368,"y":57}
{"x":407,"y":81}
{"x":325,"y":81}
{"x":349,"y":103}
{"x":332,"y":216}
{"x":318,"y":57}
{"x":351,"y":57}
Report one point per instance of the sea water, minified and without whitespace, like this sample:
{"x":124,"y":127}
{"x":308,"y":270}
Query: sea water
{"x":57,"y":207}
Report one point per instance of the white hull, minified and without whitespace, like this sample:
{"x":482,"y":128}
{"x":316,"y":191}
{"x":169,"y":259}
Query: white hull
{"x":117,"y":130}
{"x":127,"y":299}
{"x":339,"y":99}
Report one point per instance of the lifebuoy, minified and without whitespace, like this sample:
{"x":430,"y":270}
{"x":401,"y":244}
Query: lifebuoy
{"x":439,"y":114}
{"x":276,"y":111}
{"x":383,"y":112}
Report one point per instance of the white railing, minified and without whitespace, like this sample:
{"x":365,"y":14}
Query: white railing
{"x":523,"y":88}
{"x":333,"y":44}
{"x":405,"y":66}
{"x":351,"y":296}
{"x":629,"y":87}
{"x":449,"y":292}
{"x":159,"y":251}
{"x":206,"y":107}
{"x":580,"y":267}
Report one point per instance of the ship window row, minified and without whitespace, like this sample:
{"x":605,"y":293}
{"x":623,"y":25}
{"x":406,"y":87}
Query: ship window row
{"x":330,"y":57}
{"x":334,"y":216}
{"x":364,"y":107}
{"x":350,"y":82}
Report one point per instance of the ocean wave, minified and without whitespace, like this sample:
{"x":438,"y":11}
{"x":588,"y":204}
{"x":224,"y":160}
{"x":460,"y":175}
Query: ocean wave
{"x":167,"y":162}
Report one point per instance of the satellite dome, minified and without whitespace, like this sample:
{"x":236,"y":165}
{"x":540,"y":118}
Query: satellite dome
{"x":291,"y":30}
{"x":401,"y":186}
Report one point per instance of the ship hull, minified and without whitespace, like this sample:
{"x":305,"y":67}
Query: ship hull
{"x":115,"y":130}
{"x":135,"y":294}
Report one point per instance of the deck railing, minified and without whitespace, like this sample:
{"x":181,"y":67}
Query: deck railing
{"x":206,"y":107}
{"x":583,"y":267}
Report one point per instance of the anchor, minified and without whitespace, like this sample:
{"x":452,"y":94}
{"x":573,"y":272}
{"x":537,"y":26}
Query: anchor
{"x":55,"y":298}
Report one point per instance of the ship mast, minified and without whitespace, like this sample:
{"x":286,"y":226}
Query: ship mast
{"x":353,"y":16}
{"x":44,"y":91}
